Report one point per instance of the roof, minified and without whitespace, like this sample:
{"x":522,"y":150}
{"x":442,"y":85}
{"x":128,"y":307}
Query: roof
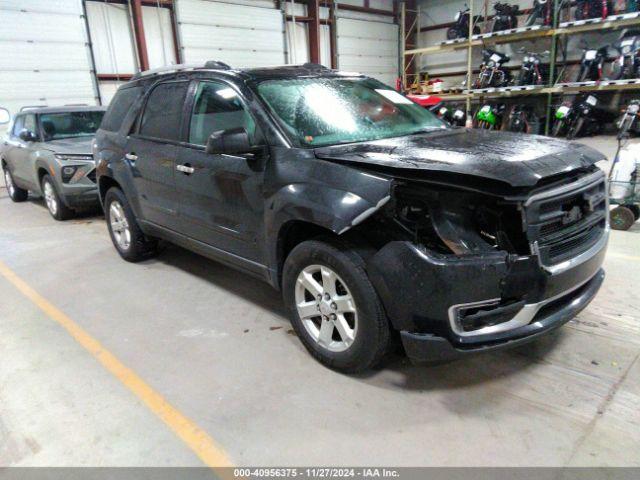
{"x":64,"y":109}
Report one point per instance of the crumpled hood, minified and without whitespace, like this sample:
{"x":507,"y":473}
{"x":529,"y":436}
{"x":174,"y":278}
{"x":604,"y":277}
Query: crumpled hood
{"x":517,"y":159}
{"x":77,"y":145}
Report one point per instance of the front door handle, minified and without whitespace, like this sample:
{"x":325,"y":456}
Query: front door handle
{"x":186,"y":169}
{"x":131,"y":156}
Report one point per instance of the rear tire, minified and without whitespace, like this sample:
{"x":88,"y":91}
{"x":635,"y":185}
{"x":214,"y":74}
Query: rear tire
{"x":127,"y":237}
{"x":16,"y":193}
{"x":357,"y":336}
{"x":621,"y":218}
{"x":58,"y":210}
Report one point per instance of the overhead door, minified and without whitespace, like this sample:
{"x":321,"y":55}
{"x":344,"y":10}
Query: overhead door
{"x":238,"y":34}
{"x":368,"y":47}
{"x":45,"y":54}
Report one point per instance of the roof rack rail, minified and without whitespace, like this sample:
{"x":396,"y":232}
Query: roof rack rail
{"x":32,"y":107}
{"x":314,"y":66}
{"x":211,"y":64}
{"x":76,"y":104}
{"x":216,"y":65}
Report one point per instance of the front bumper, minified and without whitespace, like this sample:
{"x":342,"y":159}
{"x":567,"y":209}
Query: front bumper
{"x":519,"y":299}
{"x":79,"y":198}
{"x":431,"y":349}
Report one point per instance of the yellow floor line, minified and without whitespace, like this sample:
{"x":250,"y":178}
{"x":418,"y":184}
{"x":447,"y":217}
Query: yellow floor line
{"x":192,"y":435}
{"x":622,"y":255}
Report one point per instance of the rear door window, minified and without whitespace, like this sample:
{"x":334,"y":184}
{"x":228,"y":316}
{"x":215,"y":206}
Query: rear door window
{"x":119,"y":107}
{"x":162,"y":117}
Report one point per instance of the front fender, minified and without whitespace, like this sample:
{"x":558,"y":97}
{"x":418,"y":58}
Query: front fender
{"x":340,"y":203}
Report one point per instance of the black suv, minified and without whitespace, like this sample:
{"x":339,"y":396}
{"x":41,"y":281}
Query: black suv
{"x":374,"y":219}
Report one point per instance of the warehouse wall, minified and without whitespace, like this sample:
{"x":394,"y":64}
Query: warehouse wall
{"x":48,"y":60}
{"x":45,"y":55}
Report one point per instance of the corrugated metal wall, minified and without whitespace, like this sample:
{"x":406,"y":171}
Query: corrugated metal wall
{"x":45,"y":56}
{"x":369,"y":45}
{"x":240,"y":35}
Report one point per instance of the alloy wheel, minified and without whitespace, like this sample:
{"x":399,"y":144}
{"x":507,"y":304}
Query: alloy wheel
{"x":119,"y":225}
{"x":326,"y":308}
{"x":9,"y":182}
{"x":50,"y":198}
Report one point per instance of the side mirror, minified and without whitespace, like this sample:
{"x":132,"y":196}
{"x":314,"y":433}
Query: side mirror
{"x":234,"y":141}
{"x":27,"y":135}
{"x":5,"y":116}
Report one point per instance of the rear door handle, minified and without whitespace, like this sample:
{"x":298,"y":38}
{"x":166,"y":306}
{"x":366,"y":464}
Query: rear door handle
{"x":186,"y":169}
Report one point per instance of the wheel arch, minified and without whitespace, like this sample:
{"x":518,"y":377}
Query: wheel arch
{"x":299,"y":212}
{"x":104,"y":184}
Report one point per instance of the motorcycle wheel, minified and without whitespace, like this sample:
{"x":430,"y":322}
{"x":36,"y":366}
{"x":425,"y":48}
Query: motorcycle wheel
{"x":522,"y":78}
{"x":582,"y":76}
{"x":452,"y":33}
{"x":557,"y":128}
{"x":575,"y":128}
{"x":531,"y":19}
{"x":618,"y":71}
{"x":625,"y":125}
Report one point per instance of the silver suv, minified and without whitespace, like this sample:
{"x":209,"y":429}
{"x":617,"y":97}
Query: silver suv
{"x":48,"y":151}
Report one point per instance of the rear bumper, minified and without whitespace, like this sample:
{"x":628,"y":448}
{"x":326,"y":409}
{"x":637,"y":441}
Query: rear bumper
{"x":432,"y":349}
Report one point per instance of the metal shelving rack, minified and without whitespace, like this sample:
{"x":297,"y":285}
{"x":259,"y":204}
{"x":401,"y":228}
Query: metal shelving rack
{"x":555,"y":32}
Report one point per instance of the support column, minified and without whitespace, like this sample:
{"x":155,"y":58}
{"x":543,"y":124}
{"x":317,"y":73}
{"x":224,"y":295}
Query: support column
{"x":313,"y":12}
{"x":138,"y":30}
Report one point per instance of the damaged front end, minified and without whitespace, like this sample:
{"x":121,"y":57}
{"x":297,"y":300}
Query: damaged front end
{"x":466,"y":269}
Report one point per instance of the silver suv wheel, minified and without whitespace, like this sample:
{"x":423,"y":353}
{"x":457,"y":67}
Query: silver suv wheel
{"x":9,"y":182}
{"x":119,"y":225}
{"x":50,"y":198}
{"x":326,"y":308}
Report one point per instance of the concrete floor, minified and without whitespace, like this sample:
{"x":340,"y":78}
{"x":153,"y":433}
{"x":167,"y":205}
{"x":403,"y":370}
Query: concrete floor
{"x":216,"y":345}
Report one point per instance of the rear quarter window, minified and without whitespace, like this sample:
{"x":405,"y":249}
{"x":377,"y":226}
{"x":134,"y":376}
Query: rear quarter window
{"x":119,"y":107}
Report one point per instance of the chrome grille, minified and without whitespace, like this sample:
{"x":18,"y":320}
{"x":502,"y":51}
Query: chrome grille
{"x":565,"y":221}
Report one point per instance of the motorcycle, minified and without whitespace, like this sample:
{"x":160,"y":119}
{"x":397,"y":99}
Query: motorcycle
{"x":542,"y":10}
{"x":492,"y":73}
{"x":533,"y":71}
{"x":592,"y":9}
{"x":523,"y":119}
{"x":591,"y":64}
{"x":506,"y":17}
{"x":460,"y":28}
{"x":627,"y":63}
{"x":489,"y":117}
{"x":583,"y":117}
{"x":629,"y":121}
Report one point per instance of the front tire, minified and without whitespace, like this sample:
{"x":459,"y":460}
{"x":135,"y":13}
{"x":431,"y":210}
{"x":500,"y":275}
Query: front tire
{"x":53,"y":200}
{"x":126,"y":235}
{"x":333,"y":306}
{"x":16,"y":193}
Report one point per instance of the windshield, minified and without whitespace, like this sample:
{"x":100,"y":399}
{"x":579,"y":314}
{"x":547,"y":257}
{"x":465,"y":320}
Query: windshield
{"x":70,"y":124}
{"x":327,"y":111}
